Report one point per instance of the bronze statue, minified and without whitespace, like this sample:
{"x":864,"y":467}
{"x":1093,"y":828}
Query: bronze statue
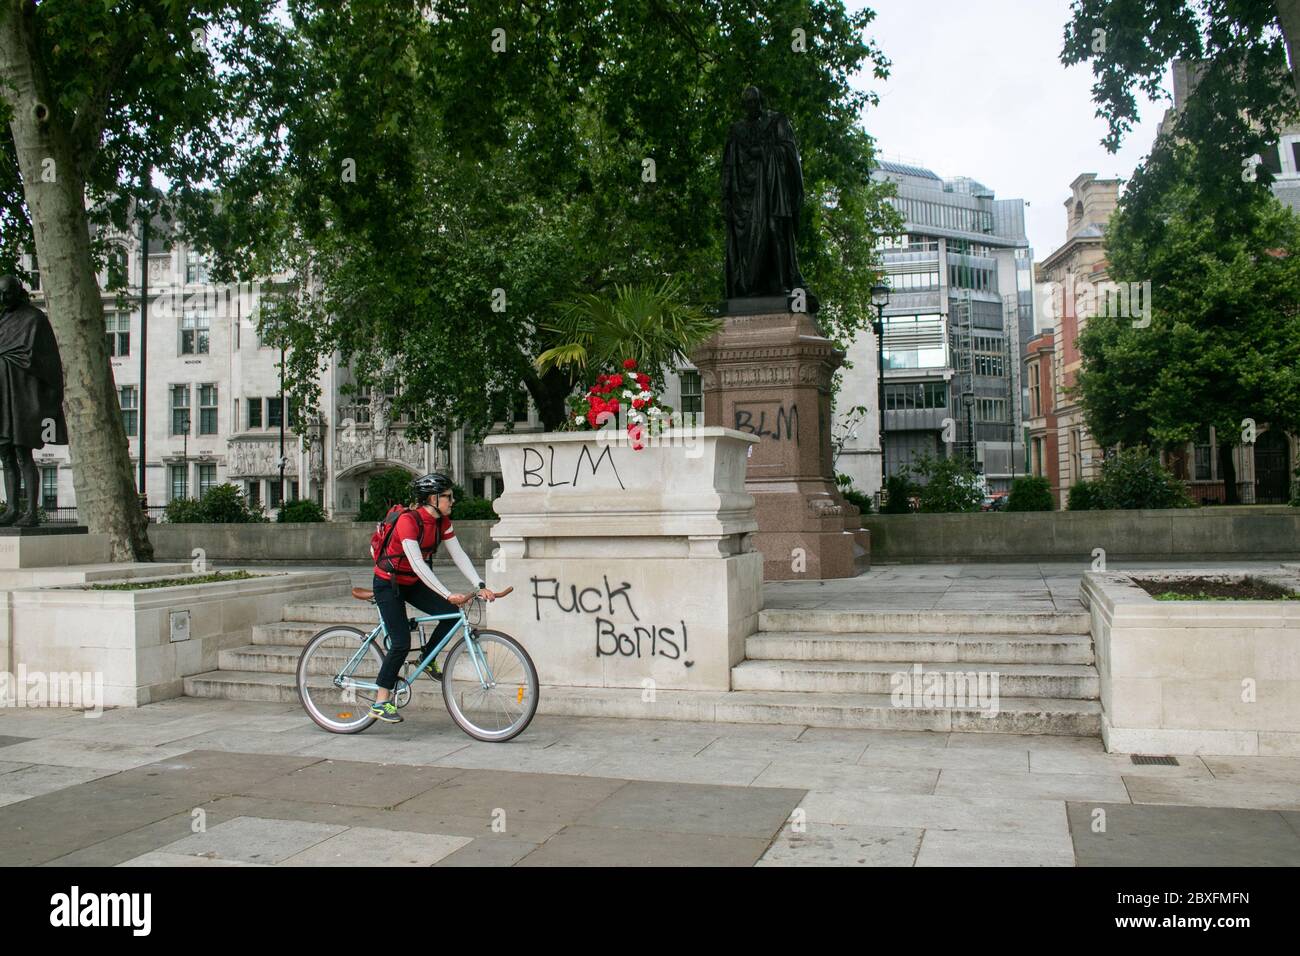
{"x":762,"y":192}
{"x":31,"y":397}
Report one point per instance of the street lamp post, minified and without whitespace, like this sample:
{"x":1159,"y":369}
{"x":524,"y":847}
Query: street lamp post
{"x":880,"y":299}
{"x":968,"y":399}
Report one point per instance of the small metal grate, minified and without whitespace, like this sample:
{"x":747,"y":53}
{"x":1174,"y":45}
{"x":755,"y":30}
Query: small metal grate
{"x":1163,"y":760}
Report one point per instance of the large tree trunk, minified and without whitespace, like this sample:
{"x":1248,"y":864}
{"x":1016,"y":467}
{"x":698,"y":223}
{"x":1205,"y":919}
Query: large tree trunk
{"x":54,"y":190}
{"x":549,"y":393}
{"x":1288,"y":18}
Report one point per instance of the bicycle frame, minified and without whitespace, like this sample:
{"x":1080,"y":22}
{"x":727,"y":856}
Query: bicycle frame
{"x":485,"y":675}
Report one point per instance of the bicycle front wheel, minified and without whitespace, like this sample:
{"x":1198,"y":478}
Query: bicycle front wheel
{"x":331,"y":665}
{"x":490,"y":686}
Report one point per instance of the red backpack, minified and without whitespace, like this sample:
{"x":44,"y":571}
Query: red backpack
{"x":384,"y":531}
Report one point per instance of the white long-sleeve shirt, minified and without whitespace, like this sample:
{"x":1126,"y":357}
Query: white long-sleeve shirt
{"x":411,"y":548}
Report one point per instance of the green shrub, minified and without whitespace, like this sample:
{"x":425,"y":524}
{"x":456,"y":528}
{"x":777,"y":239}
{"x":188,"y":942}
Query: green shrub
{"x":1084,"y":496}
{"x":1031,"y":493}
{"x":898,"y":492}
{"x":861,"y":499}
{"x":221,"y":504}
{"x":1134,"y":478}
{"x":951,"y":484}
{"x":472,"y":509}
{"x":383,"y":490}
{"x":302,"y":511}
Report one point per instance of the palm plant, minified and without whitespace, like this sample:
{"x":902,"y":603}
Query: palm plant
{"x":652,"y":324}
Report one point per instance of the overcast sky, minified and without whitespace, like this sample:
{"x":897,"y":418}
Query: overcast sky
{"x":977,"y":89}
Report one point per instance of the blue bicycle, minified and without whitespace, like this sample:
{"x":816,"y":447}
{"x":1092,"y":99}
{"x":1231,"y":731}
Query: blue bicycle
{"x":489,"y":683}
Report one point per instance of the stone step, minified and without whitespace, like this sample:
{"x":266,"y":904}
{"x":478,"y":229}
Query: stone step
{"x":1075,"y":681}
{"x":924,"y":622}
{"x":295,"y":633}
{"x":811,"y":709}
{"x":335,"y":611}
{"x":968,"y":648}
{"x":283,"y":659}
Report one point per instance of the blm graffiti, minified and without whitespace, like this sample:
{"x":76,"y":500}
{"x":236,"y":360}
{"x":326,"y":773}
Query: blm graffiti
{"x":614,"y":638}
{"x":785,"y":424}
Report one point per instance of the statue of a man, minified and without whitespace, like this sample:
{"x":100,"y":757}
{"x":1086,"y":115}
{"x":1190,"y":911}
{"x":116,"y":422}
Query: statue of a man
{"x":762,"y":192}
{"x":31,"y":397}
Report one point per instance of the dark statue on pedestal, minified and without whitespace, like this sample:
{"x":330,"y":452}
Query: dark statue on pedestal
{"x":762,"y":193}
{"x":31,"y":397}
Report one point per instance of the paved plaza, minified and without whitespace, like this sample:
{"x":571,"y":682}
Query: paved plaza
{"x":219,"y":782}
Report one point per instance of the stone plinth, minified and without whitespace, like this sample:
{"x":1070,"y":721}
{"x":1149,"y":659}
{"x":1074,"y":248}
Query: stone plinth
{"x":630,"y":568}
{"x":47,"y":546}
{"x":768,"y":374}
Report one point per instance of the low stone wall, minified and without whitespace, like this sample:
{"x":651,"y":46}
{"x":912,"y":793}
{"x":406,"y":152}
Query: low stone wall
{"x":1195,"y":677}
{"x":138,"y":646}
{"x":322,"y":542}
{"x":1213,"y":533}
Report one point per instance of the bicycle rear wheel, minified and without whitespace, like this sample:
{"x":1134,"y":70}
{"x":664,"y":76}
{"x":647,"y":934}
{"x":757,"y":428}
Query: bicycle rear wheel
{"x":328,"y":694}
{"x":491,"y":695}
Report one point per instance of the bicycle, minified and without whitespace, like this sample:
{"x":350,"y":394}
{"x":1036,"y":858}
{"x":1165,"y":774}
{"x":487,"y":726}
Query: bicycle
{"x":338,"y":669}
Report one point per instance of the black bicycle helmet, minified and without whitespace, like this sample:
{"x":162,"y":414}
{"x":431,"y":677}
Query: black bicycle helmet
{"x":431,"y":484}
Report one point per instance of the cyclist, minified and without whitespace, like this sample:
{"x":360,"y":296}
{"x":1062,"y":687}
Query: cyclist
{"x":403,"y":576}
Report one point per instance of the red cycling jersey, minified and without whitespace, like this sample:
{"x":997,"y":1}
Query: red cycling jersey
{"x":405,"y":529}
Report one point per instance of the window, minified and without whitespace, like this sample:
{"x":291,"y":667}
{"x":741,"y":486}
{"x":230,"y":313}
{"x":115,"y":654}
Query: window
{"x":49,"y":488}
{"x":179,"y":480}
{"x":293,"y":414}
{"x":902,"y":396}
{"x":118,"y":327}
{"x":1295,"y":154}
{"x":180,"y":409}
{"x":34,"y":274}
{"x":914,"y":281}
{"x":116,"y":274}
{"x":275,"y":496}
{"x":692,"y":394}
{"x":1272,"y":159}
{"x":1203,"y":455}
{"x":194,"y":333}
{"x":274,"y":411}
{"x":253,"y":492}
{"x":254,"y":413}
{"x":1035,"y":394}
{"x":477,"y":487}
{"x":207,"y":409}
{"x":196,"y":267}
{"x":991,"y":409}
{"x":521,"y":405}
{"x":128,"y":399}
{"x":207,"y":477}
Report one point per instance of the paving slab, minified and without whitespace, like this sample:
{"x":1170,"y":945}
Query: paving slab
{"x":943,"y":758}
{"x":832,"y":844}
{"x":371,"y":846}
{"x":254,"y":840}
{"x":1181,"y":836}
{"x":513,"y":798}
{"x":597,"y":846}
{"x":807,"y":775}
{"x":669,"y":768}
{"x":352,"y":783}
{"x":968,"y":848}
{"x":1036,"y":786}
{"x":207,"y":773}
{"x":1252,"y":793}
{"x":496,"y":850}
{"x":102,"y":755}
{"x":6,"y":740}
{"x":757,"y":812}
{"x":926,"y":811}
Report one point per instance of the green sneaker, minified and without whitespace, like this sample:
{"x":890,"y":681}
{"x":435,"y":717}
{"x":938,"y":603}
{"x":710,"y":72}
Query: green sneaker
{"x":386,"y":712}
{"x":433,"y":670}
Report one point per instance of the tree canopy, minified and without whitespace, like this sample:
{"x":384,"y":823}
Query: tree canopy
{"x":448,"y":176}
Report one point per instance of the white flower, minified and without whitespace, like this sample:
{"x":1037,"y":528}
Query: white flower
{"x":655,"y":412}
{"x":645,"y":394}
{"x":627,"y":393}
{"x":578,"y":419}
{"x":636,"y":417}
